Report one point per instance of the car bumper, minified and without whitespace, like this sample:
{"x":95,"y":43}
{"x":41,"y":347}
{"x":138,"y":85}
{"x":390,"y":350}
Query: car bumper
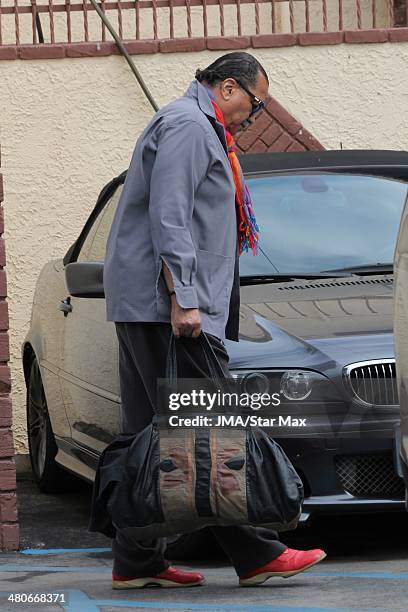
{"x":347,"y":504}
{"x":348,"y":475}
{"x":401,"y":466}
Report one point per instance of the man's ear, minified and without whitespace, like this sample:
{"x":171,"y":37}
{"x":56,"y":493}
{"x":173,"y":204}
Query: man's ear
{"x":227,"y":88}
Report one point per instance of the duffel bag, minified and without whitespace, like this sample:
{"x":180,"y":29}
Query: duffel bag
{"x":161,"y":482}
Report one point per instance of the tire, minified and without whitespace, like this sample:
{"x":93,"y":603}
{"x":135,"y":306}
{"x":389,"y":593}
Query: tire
{"x":49,"y":476}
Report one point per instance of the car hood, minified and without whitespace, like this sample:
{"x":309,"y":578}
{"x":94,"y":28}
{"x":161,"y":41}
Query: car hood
{"x":317,"y":324}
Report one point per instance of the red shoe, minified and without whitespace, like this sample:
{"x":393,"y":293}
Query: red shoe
{"x":289,"y":563}
{"x":171,"y":577}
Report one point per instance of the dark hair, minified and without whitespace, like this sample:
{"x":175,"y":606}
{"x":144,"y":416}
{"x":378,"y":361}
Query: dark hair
{"x":239,"y":65}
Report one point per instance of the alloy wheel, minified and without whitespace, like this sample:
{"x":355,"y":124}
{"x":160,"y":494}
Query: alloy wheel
{"x":37,"y":421}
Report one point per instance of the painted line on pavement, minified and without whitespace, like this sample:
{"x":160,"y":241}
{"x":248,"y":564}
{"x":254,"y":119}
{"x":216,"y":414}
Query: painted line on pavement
{"x":62,"y":551}
{"x":16,"y":567}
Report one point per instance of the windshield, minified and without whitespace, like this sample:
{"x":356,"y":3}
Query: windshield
{"x":316,"y":221}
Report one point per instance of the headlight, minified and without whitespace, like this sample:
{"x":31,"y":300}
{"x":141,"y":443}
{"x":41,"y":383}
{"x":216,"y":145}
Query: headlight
{"x":296,"y":385}
{"x":254,"y":382}
{"x":291,"y":385}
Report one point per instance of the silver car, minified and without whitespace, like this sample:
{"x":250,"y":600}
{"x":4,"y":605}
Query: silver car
{"x":401,"y":341}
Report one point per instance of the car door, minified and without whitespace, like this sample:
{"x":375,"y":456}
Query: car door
{"x":401,"y":334}
{"x":89,"y":373}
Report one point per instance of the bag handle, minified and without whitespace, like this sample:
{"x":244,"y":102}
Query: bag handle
{"x":211,"y":358}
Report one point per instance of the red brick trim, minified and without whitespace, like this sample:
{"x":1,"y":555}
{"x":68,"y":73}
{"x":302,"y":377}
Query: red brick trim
{"x":273,"y":40}
{"x":91,"y":49}
{"x":182,"y":45}
{"x":309,"y":141}
{"x":4,"y":347}
{"x":5,"y":379}
{"x":9,"y":536}
{"x":47,"y":51}
{"x":88,"y":49}
{"x":9,"y":529}
{"x":221,"y":43}
{"x":7,"y":475}
{"x":320,"y":38}
{"x":139,"y":47}
{"x":296,"y":147}
{"x":3,"y":284}
{"x":8,"y":507}
{"x":398,"y":35}
{"x":283,"y":142}
{"x":5,"y":411}
{"x":213,"y":43}
{"x":271,"y":135}
{"x":277,"y":130}
{"x":365,"y":36}
{"x":281,"y":115}
{"x":251,"y":134}
{"x":259,"y":147}
{"x":4,"y":321}
{"x":8,"y":52}
{"x":2,"y":252}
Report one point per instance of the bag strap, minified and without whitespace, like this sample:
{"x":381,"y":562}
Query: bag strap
{"x":171,"y":360}
{"x":212,"y":360}
{"x":214,"y":367}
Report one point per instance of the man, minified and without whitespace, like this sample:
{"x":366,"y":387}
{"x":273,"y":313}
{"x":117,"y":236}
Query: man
{"x":171,"y":265}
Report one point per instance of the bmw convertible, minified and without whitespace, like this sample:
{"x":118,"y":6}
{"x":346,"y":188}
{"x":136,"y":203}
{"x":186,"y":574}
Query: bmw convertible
{"x":315,"y":324}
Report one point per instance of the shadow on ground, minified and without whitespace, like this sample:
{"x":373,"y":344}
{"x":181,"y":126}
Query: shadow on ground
{"x":60,"y":521}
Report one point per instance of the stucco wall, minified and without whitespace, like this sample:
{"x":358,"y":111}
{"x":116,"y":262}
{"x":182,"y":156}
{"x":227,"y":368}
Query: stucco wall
{"x":68,"y":126}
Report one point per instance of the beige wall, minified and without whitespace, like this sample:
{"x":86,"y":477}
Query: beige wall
{"x":68,"y":126}
{"x":248,"y":20}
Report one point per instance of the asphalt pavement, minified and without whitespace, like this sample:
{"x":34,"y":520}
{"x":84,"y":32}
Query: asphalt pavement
{"x":366,"y":568}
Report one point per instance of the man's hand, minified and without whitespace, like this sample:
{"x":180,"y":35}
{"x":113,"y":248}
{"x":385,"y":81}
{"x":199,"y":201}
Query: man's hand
{"x":185,"y":321}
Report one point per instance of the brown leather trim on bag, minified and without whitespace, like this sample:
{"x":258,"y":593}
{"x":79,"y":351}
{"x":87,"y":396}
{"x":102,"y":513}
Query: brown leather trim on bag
{"x":229,"y":483}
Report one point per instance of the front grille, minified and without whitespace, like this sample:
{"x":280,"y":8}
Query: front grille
{"x":374,"y":382}
{"x":367,"y":475}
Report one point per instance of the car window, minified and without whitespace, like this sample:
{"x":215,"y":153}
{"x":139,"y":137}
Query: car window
{"x":93,"y":248}
{"x":318,"y":221}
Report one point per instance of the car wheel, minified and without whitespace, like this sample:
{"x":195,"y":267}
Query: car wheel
{"x":49,"y":476}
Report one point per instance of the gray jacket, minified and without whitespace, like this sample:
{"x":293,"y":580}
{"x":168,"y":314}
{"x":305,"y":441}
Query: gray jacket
{"x":177,"y":206}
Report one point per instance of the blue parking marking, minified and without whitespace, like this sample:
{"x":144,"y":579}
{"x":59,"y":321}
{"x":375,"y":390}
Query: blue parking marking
{"x":78,"y":600}
{"x":17,"y":567}
{"x":62,"y":551}
{"x":20,"y":567}
{"x":167,"y":605}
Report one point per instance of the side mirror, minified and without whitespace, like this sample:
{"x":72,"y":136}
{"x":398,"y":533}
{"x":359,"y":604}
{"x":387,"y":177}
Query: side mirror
{"x":85,"y":279}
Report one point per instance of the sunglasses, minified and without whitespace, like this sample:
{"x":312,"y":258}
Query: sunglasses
{"x":257,"y":104}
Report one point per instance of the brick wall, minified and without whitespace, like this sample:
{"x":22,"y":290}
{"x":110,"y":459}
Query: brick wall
{"x":276,"y":130}
{"x":9,"y":531}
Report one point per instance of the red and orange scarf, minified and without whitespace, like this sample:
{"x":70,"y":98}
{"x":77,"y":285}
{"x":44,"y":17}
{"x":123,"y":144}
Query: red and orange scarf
{"x":247,"y":228}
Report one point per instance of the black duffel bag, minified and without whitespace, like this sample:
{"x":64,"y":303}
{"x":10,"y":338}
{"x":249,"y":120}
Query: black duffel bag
{"x":162,"y":482}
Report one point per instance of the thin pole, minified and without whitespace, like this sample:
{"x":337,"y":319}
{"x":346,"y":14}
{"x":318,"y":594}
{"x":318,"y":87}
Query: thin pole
{"x":126,"y":55}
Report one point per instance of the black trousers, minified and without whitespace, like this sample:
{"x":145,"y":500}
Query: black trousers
{"x":142,"y":359}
